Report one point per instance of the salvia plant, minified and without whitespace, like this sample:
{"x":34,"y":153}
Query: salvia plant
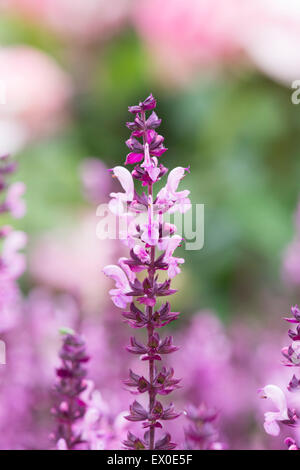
{"x":285,"y":415}
{"x":151,"y":241}
{"x":69,"y":407}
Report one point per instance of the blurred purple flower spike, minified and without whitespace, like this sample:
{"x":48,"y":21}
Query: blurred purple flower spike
{"x":69,"y":406}
{"x":202,"y":433}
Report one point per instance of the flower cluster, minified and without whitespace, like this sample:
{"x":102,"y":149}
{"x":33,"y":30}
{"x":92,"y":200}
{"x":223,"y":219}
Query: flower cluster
{"x":69,"y":406}
{"x":146,"y":232}
{"x":202,"y":433}
{"x":285,"y":415}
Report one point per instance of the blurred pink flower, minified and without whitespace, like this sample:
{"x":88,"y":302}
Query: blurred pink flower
{"x":71,"y":259}
{"x":10,"y":304}
{"x":14,"y":202}
{"x":101,"y":427}
{"x":184,"y":35}
{"x":12,"y":263}
{"x":82,"y":20}
{"x":96,"y":180}
{"x":36,"y":94}
{"x":46,"y":314}
{"x":271,"y":37}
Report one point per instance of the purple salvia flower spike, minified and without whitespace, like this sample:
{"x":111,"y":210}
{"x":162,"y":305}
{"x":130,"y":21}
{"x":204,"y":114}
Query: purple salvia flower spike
{"x":144,"y":240}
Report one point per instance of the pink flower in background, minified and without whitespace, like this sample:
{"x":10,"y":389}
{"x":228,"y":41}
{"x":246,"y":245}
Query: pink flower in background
{"x":46,"y":313}
{"x":12,"y":262}
{"x":10,"y":304}
{"x":184,"y":35}
{"x":37,"y":92}
{"x":14,"y":202}
{"x":100,"y":427}
{"x":71,"y":258}
{"x":202,"y":432}
{"x":82,"y":20}
{"x":96,"y":180}
{"x":270,"y":35}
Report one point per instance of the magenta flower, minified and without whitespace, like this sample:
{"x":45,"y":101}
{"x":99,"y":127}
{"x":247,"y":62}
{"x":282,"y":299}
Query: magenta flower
{"x":145,"y":239}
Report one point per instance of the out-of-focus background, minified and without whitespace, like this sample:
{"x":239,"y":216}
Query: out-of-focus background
{"x":222,"y":72}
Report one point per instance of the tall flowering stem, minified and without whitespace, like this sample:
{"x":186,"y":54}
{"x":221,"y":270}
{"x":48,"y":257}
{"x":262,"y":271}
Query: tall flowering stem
{"x":284,"y":414}
{"x":69,"y":407}
{"x":152,"y":241}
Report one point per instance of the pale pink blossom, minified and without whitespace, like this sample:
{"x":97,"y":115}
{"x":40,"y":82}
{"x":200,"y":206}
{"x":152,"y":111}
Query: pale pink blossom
{"x":61,"y":445}
{"x":169,"y":198}
{"x":150,"y":233}
{"x":118,"y":295}
{"x":276,"y":395}
{"x":173,"y":262}
{"x":141,"y":253}
{"x":119,"y":200}
{"x":129,"y":273}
